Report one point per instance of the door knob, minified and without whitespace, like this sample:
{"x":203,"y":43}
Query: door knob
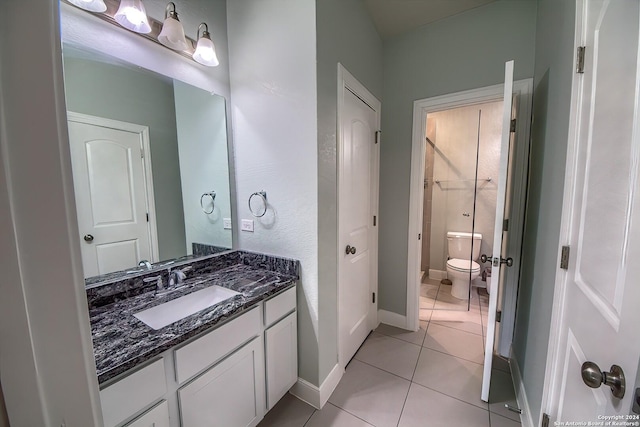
{"x":350,"y":250}
{"x":484,"y":258}
{"x":594,"y":378}
{"x":508,"y":261}
{"x":88,"y":238}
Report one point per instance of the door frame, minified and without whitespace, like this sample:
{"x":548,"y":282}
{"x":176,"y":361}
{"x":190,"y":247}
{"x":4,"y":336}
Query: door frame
{"x":143,"y":134}
{"x":422,"y":107}
{"x":346,"y":81}
{"x":555,"y":353}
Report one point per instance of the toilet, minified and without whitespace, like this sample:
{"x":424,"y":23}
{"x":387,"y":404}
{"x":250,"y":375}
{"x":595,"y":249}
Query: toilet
{"x":459,"y":266}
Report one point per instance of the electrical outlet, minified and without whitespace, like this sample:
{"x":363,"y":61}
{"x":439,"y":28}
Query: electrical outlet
{"x":247,"y":225}
{"x":226,"y":223}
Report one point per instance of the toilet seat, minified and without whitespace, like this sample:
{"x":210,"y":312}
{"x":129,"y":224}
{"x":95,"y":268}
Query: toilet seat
{"x":463,"y":265}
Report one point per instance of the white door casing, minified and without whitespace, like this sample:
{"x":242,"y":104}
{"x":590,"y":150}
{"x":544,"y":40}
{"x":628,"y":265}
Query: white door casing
{"x":114,"y":193}
{"x":358,"y":165}
{"x":595,"y":313}
{"x":497,"y":266}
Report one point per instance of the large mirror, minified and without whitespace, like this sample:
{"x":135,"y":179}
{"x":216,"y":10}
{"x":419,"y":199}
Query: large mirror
{"x":150,"y":164}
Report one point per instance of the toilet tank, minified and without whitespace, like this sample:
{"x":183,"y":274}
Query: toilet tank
{"x":459,"y":244}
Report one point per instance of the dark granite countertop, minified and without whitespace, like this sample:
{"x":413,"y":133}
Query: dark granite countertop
{"x":121,"y":341}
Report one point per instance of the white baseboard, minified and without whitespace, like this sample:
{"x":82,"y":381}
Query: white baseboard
{"x":526,"y":417}
{"x":317,"y":396}
{"x":437,"y":274}
{"x":392,"y":319}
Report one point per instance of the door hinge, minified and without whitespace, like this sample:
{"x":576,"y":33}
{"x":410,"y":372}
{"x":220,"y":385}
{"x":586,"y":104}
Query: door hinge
{"x":580,"y":59}
{"x":512,"y":125}
{"x":564,"y":258}
{"x":545,"y":420}
{"x":147,"y":216}
{"x":377,"y":139}
{"x":505,"y":225}
{"x":142,"y":153}
{"x":374,"y":220}
{"x":373,"y":297}
{"x":498,"y":316}
{"x":419,"y":236}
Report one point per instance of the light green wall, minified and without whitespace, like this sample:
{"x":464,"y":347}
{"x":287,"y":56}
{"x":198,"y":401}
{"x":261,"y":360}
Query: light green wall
{"x":118,"y":93}
{"x":552,"y":94}
{"x":465,"y":51}
{"x":345,"y":34}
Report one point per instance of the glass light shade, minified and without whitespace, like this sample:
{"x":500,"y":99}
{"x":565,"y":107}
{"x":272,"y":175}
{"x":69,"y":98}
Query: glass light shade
{"x":172,"y":34}
{"x":97,"y":6}
{"x":132,"y":15}
{"x":205,"y":53}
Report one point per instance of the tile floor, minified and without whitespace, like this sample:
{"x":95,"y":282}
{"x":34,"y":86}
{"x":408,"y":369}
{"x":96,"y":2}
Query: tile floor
{"x":428,"y":378}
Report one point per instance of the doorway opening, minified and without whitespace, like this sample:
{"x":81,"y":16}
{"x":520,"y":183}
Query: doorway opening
{"x":514,"y":214}
{"x":462,"y":160}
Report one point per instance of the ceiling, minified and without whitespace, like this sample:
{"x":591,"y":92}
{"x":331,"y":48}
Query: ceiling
{"x":394,"y":17}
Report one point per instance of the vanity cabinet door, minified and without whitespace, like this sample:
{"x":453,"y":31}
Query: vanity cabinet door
{"x":229,"y":394}
{"x":158,"y":416}
{"x":281,"y":358}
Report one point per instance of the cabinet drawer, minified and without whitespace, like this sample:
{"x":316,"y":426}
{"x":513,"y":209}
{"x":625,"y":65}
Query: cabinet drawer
{"x":198,"y":355}
{"x":158,"y":416}
{"x":133,"y":393}
{"x":276,"y":308}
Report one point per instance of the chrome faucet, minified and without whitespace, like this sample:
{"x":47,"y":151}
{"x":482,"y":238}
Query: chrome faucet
{"x":145,"y":263}
{"x":178,"y":275}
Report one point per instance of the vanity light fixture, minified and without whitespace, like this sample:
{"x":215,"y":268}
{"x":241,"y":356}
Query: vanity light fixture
{"x":205,"y":52}
{"x":132,"y":15}
{"x":97,"y":6}
{"x":172,"y":34}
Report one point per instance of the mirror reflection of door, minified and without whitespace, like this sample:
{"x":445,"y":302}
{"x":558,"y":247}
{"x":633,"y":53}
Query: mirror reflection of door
{"x":112,"y":193}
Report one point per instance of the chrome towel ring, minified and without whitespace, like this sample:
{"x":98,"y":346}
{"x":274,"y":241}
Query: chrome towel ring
{"x":211,"y":194}
{"x":263,"y":195}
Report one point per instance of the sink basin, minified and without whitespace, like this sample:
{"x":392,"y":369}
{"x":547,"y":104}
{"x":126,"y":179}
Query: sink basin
{"x":165,"y":314}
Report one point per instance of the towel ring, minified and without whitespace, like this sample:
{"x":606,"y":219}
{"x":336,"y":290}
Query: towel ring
{"x":263,"y":195}
{"x":211,"y":194}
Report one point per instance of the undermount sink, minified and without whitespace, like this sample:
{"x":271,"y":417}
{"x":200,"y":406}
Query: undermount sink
{"x":165,"y":314}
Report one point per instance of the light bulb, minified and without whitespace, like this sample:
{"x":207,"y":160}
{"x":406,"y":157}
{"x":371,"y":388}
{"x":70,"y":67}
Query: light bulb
{"x":205,"y":53}
{"x":132,"y":15}
{"x":172,"y":34}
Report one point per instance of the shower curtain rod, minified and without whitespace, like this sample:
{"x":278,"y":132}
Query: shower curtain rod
{"x":441,"y":181}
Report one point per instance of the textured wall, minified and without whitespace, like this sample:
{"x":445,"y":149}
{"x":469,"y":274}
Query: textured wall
{"x":549,"y":134}
{"x":465,"y":51}
{"x":272,"y":45}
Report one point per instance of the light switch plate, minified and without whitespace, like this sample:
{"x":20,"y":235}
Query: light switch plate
{"x":226,"y":223}
{"x":247,"y":225}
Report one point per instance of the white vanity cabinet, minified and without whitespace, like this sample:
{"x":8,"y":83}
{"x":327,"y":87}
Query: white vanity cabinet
{"x":229,"y":394}
{"x":281,"y":345}
{"x":227,"y":377}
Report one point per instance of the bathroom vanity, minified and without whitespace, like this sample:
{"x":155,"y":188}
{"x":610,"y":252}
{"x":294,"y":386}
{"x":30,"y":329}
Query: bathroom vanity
{"x":225,"y":365}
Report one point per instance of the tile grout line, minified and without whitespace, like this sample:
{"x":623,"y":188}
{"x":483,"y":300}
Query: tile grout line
{"x":350,"y":413}
{"x":310,"y":416}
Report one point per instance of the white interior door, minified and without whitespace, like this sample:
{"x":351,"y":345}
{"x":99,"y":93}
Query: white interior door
{"x":498,"y":233}
{"x":596,"y":314}
{"x":111,"y":196}
{"x":357,"y":206}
